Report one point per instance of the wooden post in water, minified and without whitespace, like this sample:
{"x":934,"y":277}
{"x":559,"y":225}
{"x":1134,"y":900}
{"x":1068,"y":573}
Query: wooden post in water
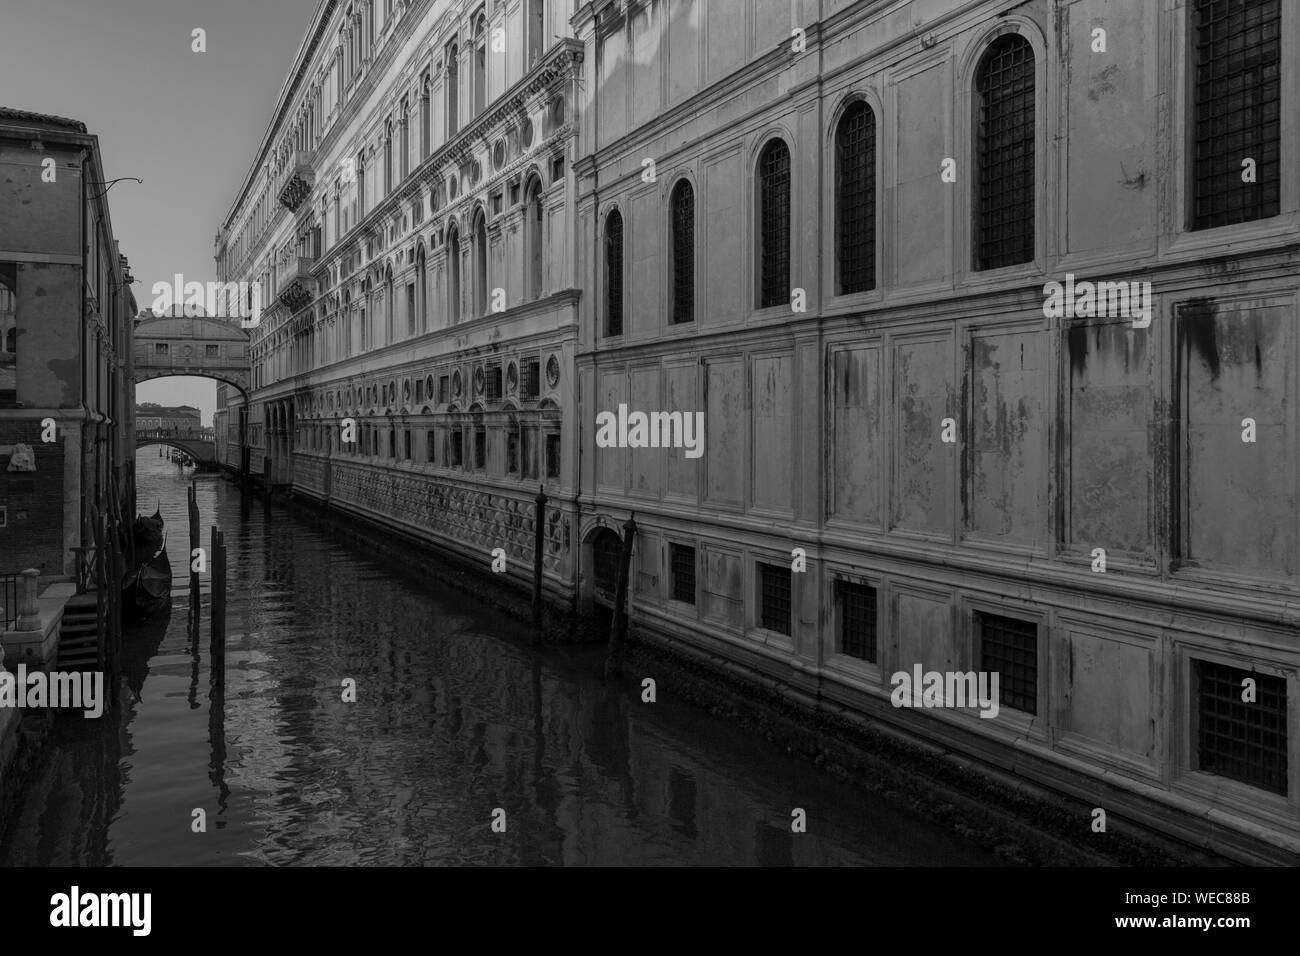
{"x":217,"y":650}
{"x":618,"y":628}
{"x":539,"y":536}
{"x":192,"y":498}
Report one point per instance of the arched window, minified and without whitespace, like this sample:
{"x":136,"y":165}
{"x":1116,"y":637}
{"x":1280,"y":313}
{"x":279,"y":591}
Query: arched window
{"x":421,"y":291}
{"x":480,"y":254}
{"x":536,"y":31}
{"x":424,"y":117}
{"x":614,"y":273}
{"x":533,"y":237}
{"x":774,"y":224}
{"x":453,"y":91}
{"x":365,"y":302}
{"x":480,"y":65}
{"x":404,"y":139}
{"x":855,"y":200}
{"x":453,"y":273}
{"x":1004,"y":153}
{"x":388,"y":157}
{"x":683,"y":257}
{"x":390,"y":329}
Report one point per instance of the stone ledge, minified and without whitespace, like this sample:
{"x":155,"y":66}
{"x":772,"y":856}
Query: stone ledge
{"x":39,"y":647}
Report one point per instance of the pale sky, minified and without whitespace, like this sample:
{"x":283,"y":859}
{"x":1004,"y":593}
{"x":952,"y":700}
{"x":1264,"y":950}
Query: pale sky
{"x":185,"y":122}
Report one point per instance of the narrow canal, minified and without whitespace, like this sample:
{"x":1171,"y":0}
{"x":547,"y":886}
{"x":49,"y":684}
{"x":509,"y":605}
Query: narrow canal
{"x":456,"y":715}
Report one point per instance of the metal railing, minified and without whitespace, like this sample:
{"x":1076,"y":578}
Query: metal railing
{"x":10,"y":586}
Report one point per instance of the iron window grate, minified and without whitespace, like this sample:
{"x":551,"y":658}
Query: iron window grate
{"x":856,"y":156}
{"x":614,"y":274}
{"x":492,"y":383}
{"x":774,"y":193}
{"x":1238,"y":100}
{"x":774,"y":595}
{"x":857,"y":620}
{"x":1005,"y":151}
{"x":1009,"y":647}
{"x":1239,"y":740}
{"x":683,"y":213}
{"x":532,"y":385}
{"x":682,"y":562}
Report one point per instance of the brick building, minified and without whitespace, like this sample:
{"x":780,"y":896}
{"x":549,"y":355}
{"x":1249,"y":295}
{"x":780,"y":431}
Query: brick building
{"x":66,"y":361}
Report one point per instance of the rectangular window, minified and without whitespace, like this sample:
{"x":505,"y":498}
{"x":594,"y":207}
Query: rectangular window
{"x":419,"y":391}
{"x":1241,"y":740}
{"x":512,"y":452}
{"x":529,"y":438}
{"x":444,"y":389}
{"x":552,"y":456}
{"x":410,"y":308}
{"x":1009,"y":646}
{"x":480,"y":448}
{"x":1238,"y":106}
{"x":682,"y":561}
{"x":160,"y":348}
{"x":492,"y":383}
{"x":211,"y":351}
{"x":857,"y":606}
{"x":457,"y":455}
{"x":392,"y":443}
{"x":406,"y":444}
{"x":431,"y":437}
{"x":532,"y":384}
{"x":774,"y":597}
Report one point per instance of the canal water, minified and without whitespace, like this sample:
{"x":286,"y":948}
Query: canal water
{"x":456,"y":716}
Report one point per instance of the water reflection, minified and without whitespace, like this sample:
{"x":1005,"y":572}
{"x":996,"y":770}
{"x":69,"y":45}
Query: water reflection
{"x":455,"y":715}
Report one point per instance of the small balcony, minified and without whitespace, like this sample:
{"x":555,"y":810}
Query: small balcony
{"x":297,"y":287}
{"x":298,"y":177}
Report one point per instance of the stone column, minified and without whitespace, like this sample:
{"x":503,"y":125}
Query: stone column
{"x":29,"y":616}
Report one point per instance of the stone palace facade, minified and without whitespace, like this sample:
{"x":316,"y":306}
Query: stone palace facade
{"x":989,"y":310}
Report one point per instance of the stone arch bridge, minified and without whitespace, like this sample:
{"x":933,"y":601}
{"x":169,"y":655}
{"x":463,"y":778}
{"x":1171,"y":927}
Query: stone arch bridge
{"x":193,"y":345}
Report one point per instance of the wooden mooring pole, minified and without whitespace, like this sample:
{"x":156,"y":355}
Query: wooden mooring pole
{"x":192,"y":499}
{"x":539,"y":537}
{"x":618,"y":628}
{"x":217,"y":649}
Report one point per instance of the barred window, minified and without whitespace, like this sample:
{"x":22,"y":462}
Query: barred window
{"x":614,"y":274}
{"x":857,"y":604}
{"x":532,"y":384}
{"x":774,"y":597}
{"x":1236,"y":739}
{"x":492,"y":383}
{"x":683,"y":259}
{"x":1004,"y":86}
{"x":1238,"y":104}
{"x":774,"y":219}
{"x":855,"y":170}
{"x":1009,"y":646}
{"x":682,"y":562}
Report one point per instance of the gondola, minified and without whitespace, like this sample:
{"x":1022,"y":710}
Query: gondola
{"x":147,"y":586}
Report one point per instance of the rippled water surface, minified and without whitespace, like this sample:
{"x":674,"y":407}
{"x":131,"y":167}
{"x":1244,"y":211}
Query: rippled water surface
{"x":456,"y":715}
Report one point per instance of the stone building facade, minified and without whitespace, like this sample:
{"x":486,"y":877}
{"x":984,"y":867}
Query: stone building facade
{"x":988,"y":310}
{"x":409,"y":216}
{"x":65,"y":320}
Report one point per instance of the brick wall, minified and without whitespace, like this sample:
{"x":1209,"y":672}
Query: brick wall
{"x":33,"y":534}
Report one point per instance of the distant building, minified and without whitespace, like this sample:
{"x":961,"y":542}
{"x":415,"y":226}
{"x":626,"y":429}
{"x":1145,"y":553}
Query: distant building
{"x":65,"y":345}
{"x":181,"y":418}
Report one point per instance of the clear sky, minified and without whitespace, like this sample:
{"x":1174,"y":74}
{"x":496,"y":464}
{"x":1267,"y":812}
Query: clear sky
{"x":185,"y":122}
